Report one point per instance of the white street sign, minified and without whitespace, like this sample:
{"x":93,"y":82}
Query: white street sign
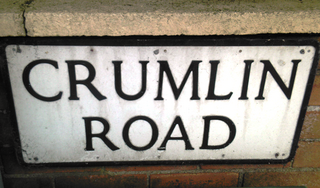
{"x":159,"y":103}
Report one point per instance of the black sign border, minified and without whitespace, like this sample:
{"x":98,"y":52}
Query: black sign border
{"x":160,"y":41}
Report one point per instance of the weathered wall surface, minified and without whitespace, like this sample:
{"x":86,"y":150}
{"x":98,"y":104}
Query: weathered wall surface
{"x":157,"y":17}
{"x":38,"y":18}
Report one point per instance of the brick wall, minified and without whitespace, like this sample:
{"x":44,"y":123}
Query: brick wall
{"x":303,"y":170}
{"x":38,"y":18}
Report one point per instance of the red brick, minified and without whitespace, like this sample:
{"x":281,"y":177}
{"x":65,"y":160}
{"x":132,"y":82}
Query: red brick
{"x":308,"y":179}
{"x":150,"y":168}
{"x":102,"y":181}
{"x":315,"y":94}
{"x":194,"y":180}
{"x":27,"y":182}
{"x":245,"y":166}
{"x":311,"y":125}
{"x":307,"y":155}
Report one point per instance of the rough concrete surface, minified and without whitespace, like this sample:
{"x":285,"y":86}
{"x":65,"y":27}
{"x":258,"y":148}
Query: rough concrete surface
{"x":168,"y":17}
{"x":115,"y":24}
{"x":11,"y":18}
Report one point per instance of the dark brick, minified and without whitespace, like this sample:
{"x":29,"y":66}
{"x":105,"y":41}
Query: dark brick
{"x":311,"y":125}
{"x":150,"y":168}
{"x":315,"y":94}
{"x":202,"y":180}
{"x":27,"y":183}
{"x":102,"y":181}
{"x":244,"y":166}
{"x":308,"y":179}
{"x":308,"y":155}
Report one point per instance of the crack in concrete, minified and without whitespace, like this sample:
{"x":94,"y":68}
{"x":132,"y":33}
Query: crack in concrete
{"x":24,"y":6}
{"x":24,"y":22}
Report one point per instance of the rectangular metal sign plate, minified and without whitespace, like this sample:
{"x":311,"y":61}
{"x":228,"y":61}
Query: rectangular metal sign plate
{"x":151,"y":103}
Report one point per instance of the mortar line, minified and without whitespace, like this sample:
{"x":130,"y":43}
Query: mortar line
{"x":310,"y":140}
{"x":53,"y":181}
{"x":148,"y":180}
{"x":54,"y":175}
{"x":291,"y":164}
{"x":240,"y":179}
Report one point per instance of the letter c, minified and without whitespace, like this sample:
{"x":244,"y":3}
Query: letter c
{"x":27,"y":84}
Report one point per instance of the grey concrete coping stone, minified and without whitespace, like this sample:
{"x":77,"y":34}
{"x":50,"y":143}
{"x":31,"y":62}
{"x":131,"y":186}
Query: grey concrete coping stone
{"x":11,"y":18}
{"x":159,"y":17}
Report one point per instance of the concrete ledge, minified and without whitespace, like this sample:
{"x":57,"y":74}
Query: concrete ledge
{"x":161,"y":17}
{"x":11,"y":18}
{"x":99,"y":24}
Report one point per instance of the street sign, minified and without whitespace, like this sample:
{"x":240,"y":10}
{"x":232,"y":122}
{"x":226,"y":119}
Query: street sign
{"x":155,"y":101}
